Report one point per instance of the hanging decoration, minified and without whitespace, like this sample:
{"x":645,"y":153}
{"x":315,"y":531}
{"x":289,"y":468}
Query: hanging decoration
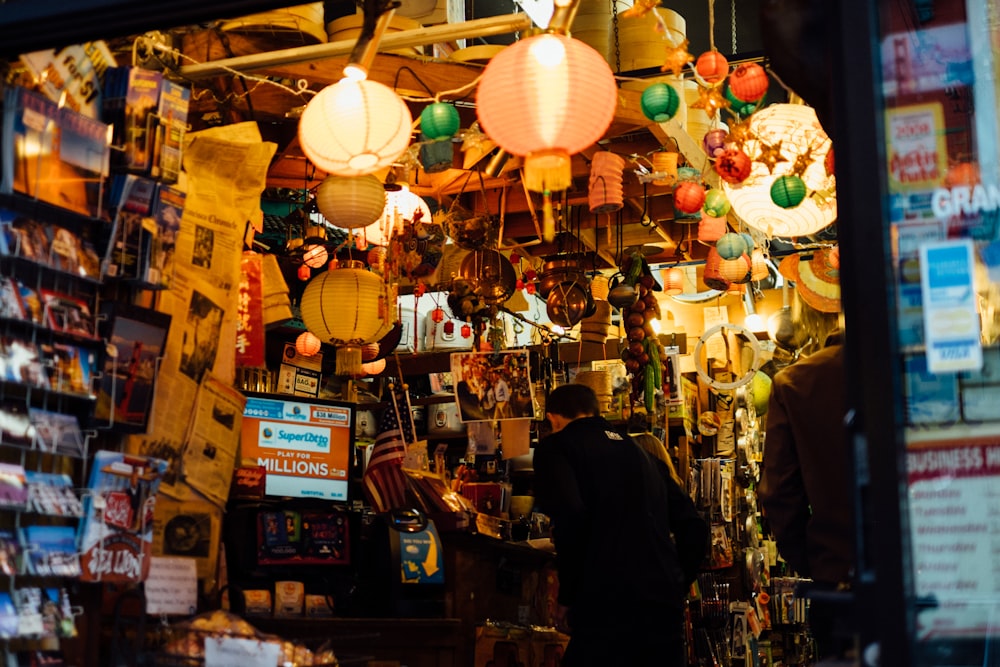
{"x":748,"y":83}
{"x":733,"y":166}
{"x":787,"y":140}
{"x":348,"y":306}
{"x":711,"y":229}
{"x":439,"y":121}
{"x":731,"y":245}
{"x":350,"y":202}
{"x":673,"y":281}
{"x":659,"y":102}
{"x":665,"y":163}
{"x":605,"y":191}
{"x":689,"y":196}
{"x":307,"y":344}
{"x":716,"y":203}
{"x":545,"y":98}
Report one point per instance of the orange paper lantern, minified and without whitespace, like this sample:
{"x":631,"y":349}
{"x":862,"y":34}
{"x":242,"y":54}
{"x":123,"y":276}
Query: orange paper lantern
{"x":673,"y":280}
{"x":735,"y":270}
{"x":307,"y":344}
{"x":733,"y":165}
{"x":605,"y":194}
{"x":711,"y":229}
{"x":712,"y":66}
{"x":689,"y":197}
{"x":748,"y":82}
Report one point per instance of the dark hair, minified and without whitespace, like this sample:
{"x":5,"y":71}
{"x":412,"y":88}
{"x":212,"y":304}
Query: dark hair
{"x":572,"y":400}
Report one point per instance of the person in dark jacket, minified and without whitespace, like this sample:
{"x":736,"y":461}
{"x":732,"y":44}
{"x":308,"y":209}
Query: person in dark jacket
{"x":628,"y":539}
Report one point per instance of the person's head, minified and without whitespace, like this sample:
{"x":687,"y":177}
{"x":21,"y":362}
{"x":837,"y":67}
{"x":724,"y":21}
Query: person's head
{"x":655,"y":447}
{"x":568,"y":402}
{"x":817,"y":285}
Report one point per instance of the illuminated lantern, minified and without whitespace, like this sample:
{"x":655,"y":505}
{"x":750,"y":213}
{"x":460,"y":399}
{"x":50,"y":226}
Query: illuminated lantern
{"x":659,"y":102}
{"x":736,"y":270}
{"x":788,"y":191}
{"x":402,"y":206}
{"x":304,"y":272}
{"x":307,"y":344}
{"x":355,"y":127}
{"x":373,"y":367}
{"x":605,"y":193}
{"x":733,"y":165}
{"x":350,"y":202}
{"x":748,"y":82}
{"x":714,"y":142}
{"x":716,"y":203}
{"x":828,"y":163}
{"x":673,"y":280}
{"x":315,"y":256}
{"x":439,"y":121}
{"x":665,"y":162}
{"x":466,"y":331}
{"x":369,"y":351}
{"x":758,"y":265}
{"x":546,"y":97}
{"x":711,"y":229}
{"x":689,"y":196}
{"x":348,"y":307}
{"x":712,"y":66}
{"x":731,"y":245}
{"x":376,"y":258}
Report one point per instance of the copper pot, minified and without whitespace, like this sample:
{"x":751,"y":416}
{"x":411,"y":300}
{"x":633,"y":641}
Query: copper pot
{"x":492,"y":275}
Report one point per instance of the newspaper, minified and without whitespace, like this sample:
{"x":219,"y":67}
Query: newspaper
{"x":210,"y":453}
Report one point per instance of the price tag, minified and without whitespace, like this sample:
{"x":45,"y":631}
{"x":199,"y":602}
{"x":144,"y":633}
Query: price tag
{"x":172,"y":586}
{"x":237,"y":652}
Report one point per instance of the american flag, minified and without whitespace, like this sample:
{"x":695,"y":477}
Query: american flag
{"x":384,"y":479}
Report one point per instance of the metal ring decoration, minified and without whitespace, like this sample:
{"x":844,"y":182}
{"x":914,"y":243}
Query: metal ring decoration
{"x":754,"y":365}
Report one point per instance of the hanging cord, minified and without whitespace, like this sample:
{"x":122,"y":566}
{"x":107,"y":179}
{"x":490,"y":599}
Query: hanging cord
{"x":711,"y":25}
{"x":618,"y":48}
{"x":732,"y":22}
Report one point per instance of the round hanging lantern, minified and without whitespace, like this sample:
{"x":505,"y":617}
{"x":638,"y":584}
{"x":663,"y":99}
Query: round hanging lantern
{"x":605,"y":192}
{"x":748,"y":82}
{"x":401,"y":207}
{"x":376,"y":258}
{"x":788,"y":191}
{"x":689,"y":196}
{"x":712,"y":276}
{"x":673,"y":280}
{"x":348,"y":306}
{"x":369,"y":351}
{"x":788,"y":141}
{"x":733,"y":165}
{"x":714,"y":142}
{"x":353,"y":127}
{"x":307,"y":344}
{"x":350,"y":202}
{"x":716,"y":203}
{"x":315,"y":256}
{"x":736,"y":270}
{"x":751,"y":244}
{"x":545,"y":98}
{"x":712,"y":66}
{"x":659,"y":102}
{"x":711,"y":229}
{"x":731,"y":245}
{"x":439,"y":121}
{"x":373,"y":367}
{"x":758,"y":265}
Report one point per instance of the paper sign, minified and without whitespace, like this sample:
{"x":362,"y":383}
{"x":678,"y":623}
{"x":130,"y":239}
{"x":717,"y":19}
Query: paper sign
{"x":236,"y":652}
{"x":172,"y":586}
{"x":951,"y":323}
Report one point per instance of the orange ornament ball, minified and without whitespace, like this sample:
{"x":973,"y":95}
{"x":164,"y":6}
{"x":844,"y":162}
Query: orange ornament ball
{"x":712,"y":66}
{"x":748,"y":82}
{"x":733,"y":165}
{"x":689,"y":197}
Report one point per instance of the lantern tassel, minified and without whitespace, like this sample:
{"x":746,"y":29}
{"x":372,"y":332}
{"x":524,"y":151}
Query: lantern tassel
{"x":349,"y":360}
{"x":548,"y":219}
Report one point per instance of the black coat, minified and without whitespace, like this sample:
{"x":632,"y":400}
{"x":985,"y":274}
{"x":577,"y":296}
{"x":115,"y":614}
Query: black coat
{"x":614,"y":509}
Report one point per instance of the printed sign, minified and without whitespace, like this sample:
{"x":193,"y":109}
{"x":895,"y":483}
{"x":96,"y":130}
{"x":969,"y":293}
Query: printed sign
{"x":951,"y":323}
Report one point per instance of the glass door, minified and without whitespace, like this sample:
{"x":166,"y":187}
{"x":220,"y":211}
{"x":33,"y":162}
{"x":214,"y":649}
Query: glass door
{"x":916,"y":106}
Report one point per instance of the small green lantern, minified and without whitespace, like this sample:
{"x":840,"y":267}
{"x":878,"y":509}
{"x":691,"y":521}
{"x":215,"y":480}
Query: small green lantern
{"x":659,"y":102}
{"x":788,"y":191}
{"x":716,"y":203}
{"x":439,"y":121}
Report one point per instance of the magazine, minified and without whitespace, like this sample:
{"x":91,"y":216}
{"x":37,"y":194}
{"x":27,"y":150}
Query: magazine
{"x":52,"y":494}
{"x":10,"y":299}
{"x":57,"y":433}
{"x":20,"y":362}
{"x":10,"y":552}
{"x":51,"y":551}
{"x":13,"y":487}
{"x":67,"y":314}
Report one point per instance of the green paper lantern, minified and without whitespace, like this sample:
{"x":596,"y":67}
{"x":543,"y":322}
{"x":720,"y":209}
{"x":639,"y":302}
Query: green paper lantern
{"x":716,"y":203}
{"x":788,"y":191}
{"x":439,"y":121}
{"x":738,"y":106}
{"x":731,"y":245}
{"x":659,"y":102}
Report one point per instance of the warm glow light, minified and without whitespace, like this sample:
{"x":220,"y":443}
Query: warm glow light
{"x":402,"y":206}
{"x":315,"y":256}
{"x":656,"y":326}
{"x":558,"y":330}
{"x":754,"y":322}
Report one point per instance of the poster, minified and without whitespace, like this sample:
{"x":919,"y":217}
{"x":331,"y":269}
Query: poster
{"x":492,"y":385}
{"x":210,"y":453}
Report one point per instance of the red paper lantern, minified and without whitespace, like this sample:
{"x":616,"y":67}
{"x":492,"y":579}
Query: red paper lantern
{"x":437,"y":315}
{"x":466,"y":331}
{"x":308,"y":344}
{"x":733,"y":165}
{"x":712,"y":276}
{"x":304,"y":272}
{"x":748,"y":82}
{"x":689,"y":197}
{"x":712,"y":66}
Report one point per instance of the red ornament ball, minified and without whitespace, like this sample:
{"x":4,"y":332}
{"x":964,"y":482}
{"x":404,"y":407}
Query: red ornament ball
{"x":733,"y":165}
{"x":748,"y":82}
{"x":712,"y":66}
{"x":689,"y":197}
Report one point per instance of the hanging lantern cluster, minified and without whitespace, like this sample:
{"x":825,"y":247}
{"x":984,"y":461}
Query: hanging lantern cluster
{"x":348,"y":306}
{"x":605,"y":191}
